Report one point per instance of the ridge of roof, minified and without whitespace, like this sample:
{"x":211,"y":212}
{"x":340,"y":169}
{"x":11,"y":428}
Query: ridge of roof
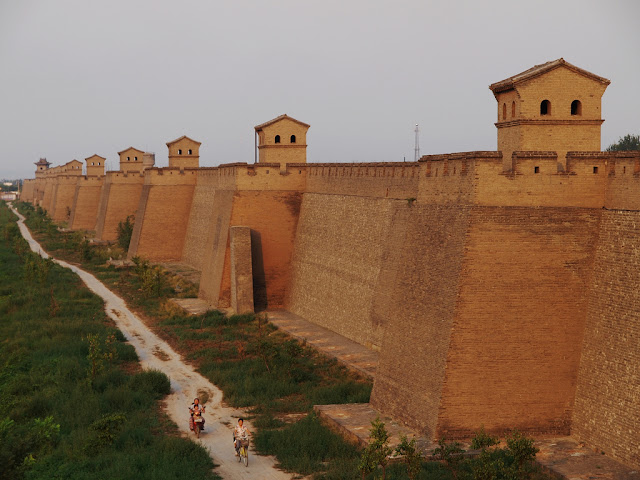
{"x":181,"y":138}
{"x":94,"y":155}
{"x":277,"y":119}
{"x":536,"y":70}
{"x":42,"y":161}
{"x":130,"y":148}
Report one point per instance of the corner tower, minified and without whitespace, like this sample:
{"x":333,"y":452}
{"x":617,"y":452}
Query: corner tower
{"x":555,"y":106}
{"x":282,"y":140}
{"x":184,"y":153}
{"x":41,"y":167}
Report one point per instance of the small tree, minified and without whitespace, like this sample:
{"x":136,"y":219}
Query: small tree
{"x":450,"y":454}
{"x":125,"y":230}
{"x":482,"y":440}
{"x":523,"y":452}
{"x":377,"y":452}
{"x":412,"y":456}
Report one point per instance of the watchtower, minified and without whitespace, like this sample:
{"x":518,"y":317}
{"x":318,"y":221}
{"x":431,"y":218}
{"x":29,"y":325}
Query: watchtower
{"x":95,"y":165}
{"x":131,"y":160}
{"x":41,"y":166}
{"x":282,"y":140}
{"x":184,"y":153}
{"x":74,"y":167}
{"x":555,"y":106}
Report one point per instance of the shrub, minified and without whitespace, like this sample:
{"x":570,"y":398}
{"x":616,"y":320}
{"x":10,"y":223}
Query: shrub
{"x":153,"y":381}
{"x":377,"y":452}
{"x":125,"y":230}
{"x":412,"y":456}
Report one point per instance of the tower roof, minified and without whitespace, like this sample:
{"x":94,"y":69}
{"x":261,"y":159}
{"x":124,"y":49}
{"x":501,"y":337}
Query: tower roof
{"x":511,"y":82}
{"x":130,"y":148}
{"x":42,"y":161}
{"x":277,"y":119}
{"x":182,"y":138}
{"x":95,"y":155}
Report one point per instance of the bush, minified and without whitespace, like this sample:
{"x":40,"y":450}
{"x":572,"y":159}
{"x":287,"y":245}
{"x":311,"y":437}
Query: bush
{"x":125,"y":230}
{"x":153,"y":381}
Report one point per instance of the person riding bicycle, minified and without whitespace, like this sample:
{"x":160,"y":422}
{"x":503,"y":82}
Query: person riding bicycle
{"x":196,"y":410}
{"x":240,"y":434}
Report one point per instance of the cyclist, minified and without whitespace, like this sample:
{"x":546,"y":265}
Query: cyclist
{"x":240,"y":433}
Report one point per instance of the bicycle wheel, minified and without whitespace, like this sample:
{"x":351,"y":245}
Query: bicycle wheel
{"x":245,"y":457}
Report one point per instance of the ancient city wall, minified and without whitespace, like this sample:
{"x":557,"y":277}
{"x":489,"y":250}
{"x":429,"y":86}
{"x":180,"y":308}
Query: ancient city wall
{"x":163,"y":214}
{"x":516,"y":337}
{"x":607,"y":413}
{"x":48,"y":192}
{"x":266,"y":198}
{"x":119,"y":198}
{"x":28,"y":190}
{"x":339,"y":248}
{"x":85,"y":205}
{"x":414,"y":304}
{"x":64,"y":196}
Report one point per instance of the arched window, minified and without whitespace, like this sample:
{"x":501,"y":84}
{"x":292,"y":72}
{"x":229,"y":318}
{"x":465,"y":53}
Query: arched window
{"x":190,"y":151}
{"x":513,"y":109}
{"x":545,"y":107}
{"x":576,"y":107}
{"x":128,"y":159}
{"x":293,"y":139}
{"x":277,"y":138}
{"x":504,"y":111}
{"x":135,"y":159}
{"x":92,"y":164}
{"x":179,"y":151}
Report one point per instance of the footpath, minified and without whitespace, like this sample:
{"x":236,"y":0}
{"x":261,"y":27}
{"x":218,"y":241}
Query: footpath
{"x":186,"y":383}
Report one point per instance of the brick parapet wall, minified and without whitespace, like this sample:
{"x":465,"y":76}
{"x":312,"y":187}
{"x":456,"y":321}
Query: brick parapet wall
{"x":607,"y":404}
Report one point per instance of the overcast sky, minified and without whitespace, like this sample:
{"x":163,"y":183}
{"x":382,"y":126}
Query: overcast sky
{"x":79,"y":77}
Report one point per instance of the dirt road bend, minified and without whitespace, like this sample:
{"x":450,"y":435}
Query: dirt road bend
{"x":186,"y":383}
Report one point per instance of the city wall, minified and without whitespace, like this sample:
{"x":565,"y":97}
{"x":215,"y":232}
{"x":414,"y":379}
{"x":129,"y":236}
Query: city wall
{"x":85,"y":203}
{"x":119,"y":198}
{"x":162,"y":214}
{"x":507,"y":296}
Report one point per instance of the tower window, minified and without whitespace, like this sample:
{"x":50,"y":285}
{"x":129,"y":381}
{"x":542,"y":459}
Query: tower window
{"x":98,"y":163}
{"x":277,"y":140}
{"x":179,"y":151}
{"x":595,"y":169}
{"x":128,"y":159}
{"x":92,"y":164}
{"x":190,"y":151}
{"x":536,"y":169}
{"x":545,"y":107}
{"x":293,"y":139}
{"x":513,"y":109}
{"x":504,"y":111}
{"x":576,"y":107}
{"x":135,"y":159}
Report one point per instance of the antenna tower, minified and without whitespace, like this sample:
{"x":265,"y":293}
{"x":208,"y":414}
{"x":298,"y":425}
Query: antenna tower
{"x":417,"y":149}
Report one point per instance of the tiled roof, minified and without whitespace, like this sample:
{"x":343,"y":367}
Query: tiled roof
{"x":182,"y":138}
{"x":537,"y":70}
{"x":277,"y":119}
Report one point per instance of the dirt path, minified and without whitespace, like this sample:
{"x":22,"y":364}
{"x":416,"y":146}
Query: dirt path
{"x":186,"y":383}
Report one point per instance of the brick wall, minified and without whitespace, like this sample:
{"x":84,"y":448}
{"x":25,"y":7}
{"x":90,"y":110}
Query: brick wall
{"x":214,"y":286}
{"x":64,"y":196}
{"x":338,"y":253}
{"x":607,"y":404}
{"x":414,"y":301}
{"x":85,"y":206}
{"x":383,"y":180}
{"x":163,"y":214}
{"x":517,"y":334}
{"x":119,"y":198}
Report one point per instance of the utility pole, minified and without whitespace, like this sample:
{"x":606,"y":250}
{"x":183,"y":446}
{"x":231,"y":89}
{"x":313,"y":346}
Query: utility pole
{"x":417,"y":149}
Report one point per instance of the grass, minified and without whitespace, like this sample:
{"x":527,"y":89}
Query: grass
{"x":73,"y":400}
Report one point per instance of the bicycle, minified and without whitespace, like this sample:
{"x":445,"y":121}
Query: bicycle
{"x":243,"y":451}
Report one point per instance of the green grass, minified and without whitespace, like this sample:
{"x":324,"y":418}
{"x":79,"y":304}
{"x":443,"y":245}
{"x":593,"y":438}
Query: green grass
{"x":57,"y":420}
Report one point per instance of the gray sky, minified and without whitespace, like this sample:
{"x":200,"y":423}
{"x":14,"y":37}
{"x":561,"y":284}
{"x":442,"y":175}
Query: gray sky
{"x":79,"y":77}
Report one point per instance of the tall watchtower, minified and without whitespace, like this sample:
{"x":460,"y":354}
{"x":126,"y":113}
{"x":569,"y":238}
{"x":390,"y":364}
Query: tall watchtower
{"x":184,"y":153}
{"x":555,"y":106}
{"x":41,"y":167}
{"x":282,"y":140}
{"x":95,"y":165}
